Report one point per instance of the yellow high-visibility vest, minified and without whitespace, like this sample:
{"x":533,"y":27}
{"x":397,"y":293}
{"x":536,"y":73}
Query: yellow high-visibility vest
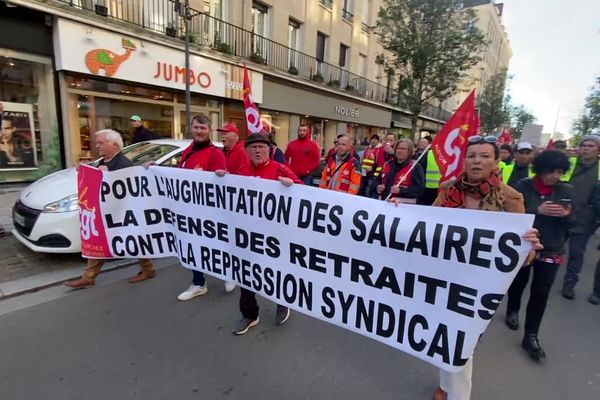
{"x":508,"y":169}
{"x":433,"y":175}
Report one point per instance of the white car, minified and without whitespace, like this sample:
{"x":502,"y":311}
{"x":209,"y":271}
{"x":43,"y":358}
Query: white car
{"x":46,"y":216}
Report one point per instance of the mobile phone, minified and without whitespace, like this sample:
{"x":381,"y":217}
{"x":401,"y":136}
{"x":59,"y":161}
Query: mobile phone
{"x":564,"y":202}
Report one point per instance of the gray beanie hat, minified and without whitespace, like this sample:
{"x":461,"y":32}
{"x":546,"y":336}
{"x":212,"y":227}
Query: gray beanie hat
{"x":593,"y":138}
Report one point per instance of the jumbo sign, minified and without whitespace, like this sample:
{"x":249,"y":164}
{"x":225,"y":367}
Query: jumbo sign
{"x":81,"y":48}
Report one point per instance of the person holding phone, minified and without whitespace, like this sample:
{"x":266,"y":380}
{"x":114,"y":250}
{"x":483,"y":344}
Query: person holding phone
{"x":549,"y":199}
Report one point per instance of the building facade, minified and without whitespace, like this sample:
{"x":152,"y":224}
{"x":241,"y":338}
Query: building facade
{"x":101,"y":61}
{"x":495,"y":57}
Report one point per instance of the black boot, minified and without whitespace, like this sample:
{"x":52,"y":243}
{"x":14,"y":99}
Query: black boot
{"x":568,"y":292}
{"x":512,"y":319}
{"x":532,"y":345}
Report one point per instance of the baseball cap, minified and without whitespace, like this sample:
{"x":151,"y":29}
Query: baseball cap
{"x":258,"y":138}
{"x":524,"y":146}
{"x":229,"y":127}
{"x":136,"y":118}
{"x":593,"y":138}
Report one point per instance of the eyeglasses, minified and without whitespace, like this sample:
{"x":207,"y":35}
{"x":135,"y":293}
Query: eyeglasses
{"x":482,"y":139}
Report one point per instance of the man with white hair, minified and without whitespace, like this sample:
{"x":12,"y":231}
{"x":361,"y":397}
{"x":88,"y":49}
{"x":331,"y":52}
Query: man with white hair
{"x":109,"y":145}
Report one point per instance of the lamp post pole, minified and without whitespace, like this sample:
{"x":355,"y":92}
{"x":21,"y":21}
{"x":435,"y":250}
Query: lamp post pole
{"x":183,"y":10}
{"x":188,"y":95}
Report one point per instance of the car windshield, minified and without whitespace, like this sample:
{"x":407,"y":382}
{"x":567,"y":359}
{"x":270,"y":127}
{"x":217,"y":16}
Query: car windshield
{"x":140,"y":153}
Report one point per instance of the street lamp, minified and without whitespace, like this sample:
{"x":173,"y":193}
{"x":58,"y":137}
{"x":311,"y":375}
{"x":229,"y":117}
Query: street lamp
{"x":183,"y":10}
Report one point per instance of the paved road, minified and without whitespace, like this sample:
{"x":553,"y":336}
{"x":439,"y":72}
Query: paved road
{"x":120,"y":341}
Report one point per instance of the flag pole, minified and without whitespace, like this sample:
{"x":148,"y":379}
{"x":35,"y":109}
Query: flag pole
{"x":409,"y":171}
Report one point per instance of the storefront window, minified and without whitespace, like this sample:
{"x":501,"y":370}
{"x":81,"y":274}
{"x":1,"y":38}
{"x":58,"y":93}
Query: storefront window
{"x":97,"y":104}
{"x":96,"y":85}
{"x":279,"y":124}
{"x":95,"y":113}
{"x":29,"y":139}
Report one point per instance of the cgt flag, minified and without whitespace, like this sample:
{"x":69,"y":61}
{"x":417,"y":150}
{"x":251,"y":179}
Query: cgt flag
{"x":506,"y":137}
{"x":253,"y":121}
{"x":450,"y":144}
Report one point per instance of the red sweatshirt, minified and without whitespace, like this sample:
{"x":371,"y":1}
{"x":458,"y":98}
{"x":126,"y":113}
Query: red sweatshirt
{"x":203,"y":156}
{"x":237,"y":158}
{"x":270,"y":170}
{"x":303,"y":156}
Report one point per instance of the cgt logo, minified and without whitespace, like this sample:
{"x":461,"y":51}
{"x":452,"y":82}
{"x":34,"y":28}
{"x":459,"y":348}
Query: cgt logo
{"x":87,"y":217}
{"x":454,"y":148}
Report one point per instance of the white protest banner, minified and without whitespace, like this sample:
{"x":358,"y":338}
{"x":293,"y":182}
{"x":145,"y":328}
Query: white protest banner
{"x":425,"y":280}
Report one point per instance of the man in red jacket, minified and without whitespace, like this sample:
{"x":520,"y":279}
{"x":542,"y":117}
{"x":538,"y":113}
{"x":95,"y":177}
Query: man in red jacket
{"x":234,"y":149}
{"x":303,"y":155}
{"x":261,"y":165}
{"x":202,"y":155}
{"x":237,"y":160}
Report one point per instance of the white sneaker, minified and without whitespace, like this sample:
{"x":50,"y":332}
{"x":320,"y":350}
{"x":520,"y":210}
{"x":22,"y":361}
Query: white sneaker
{"x":192,"y":292}
{"x":230,"y":286}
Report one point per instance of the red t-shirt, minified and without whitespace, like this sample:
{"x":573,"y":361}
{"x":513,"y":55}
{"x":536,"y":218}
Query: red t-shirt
{"x":205,"y":158}
{"x":303,"y":156}
{"x":237,"y":158}
{"x":270,"y":170}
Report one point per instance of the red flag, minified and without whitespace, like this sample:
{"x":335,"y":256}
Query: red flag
{"x":449,"y":146}
{"x":550,"y":145}
{"x":506,"y":137}
{"x":253,"y":120}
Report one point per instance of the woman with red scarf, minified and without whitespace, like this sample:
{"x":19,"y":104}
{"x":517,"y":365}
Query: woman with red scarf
{"x":480,"y":187}
{"x":550,"y":200}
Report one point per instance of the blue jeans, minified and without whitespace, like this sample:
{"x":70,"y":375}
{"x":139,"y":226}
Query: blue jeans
{"x":577,"y":245}
{"x":198,"y":278}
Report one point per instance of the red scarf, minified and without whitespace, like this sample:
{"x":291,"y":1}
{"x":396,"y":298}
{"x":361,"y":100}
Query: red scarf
{"x":543,"y":189}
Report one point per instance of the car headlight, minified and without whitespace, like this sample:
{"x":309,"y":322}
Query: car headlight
{"x":69,"y":203}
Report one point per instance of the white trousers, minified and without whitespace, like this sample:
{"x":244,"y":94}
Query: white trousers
{"x":458,"y":384}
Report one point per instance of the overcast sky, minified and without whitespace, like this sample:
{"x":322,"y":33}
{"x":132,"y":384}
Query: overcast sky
{"x":556,"y":55}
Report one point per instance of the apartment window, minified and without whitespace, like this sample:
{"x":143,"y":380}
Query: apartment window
{"x":260,"y":14}
{"x":344,"y":53}
{"x":366,"y":15}
{"x":293,"y":34}
{"x":293,"y":42}
{"x":362,"y":66}
{"x":213,"y":8}
{"x":347,"y":10}
{"x":321,"y":46}
{"x":326,"y":3}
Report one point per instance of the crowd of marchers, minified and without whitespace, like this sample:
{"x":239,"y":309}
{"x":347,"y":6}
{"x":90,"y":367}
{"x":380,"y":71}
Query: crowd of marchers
{"x":559,"y":186}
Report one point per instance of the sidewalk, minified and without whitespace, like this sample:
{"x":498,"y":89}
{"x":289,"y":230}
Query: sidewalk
{"x":9,"y":193}
{"x":23,"y":271}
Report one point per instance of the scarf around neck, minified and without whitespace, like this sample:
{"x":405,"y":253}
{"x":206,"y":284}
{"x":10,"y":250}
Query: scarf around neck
{"x":489,"y":193}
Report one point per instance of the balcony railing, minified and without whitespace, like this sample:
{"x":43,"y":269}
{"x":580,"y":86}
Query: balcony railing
{"x":326,"y":3}
{"x":160,"y":16}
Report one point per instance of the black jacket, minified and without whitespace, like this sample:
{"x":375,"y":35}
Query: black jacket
{"x":142,"y":134}
{"x":553,"y":230}
{"x":584,"y":180}
{"x":119,"y":161}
